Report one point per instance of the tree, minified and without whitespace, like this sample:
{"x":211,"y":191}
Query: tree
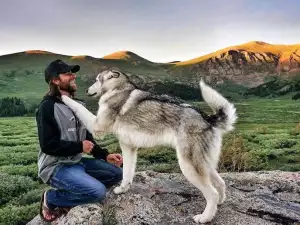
{"x":12,"y":106}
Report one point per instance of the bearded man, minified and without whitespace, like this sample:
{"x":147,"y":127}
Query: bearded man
{"x":63,"y":140}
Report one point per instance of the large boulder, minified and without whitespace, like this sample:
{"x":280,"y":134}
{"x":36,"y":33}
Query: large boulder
{"x":256,"y":198}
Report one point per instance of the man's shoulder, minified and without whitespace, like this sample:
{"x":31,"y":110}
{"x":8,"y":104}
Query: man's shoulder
{"x":47,"y":103}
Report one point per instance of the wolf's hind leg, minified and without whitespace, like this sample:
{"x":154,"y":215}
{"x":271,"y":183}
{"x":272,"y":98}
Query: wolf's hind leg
{"x":219,"y":184}
{"x":199,"y":176}
{"x":129,"y":164}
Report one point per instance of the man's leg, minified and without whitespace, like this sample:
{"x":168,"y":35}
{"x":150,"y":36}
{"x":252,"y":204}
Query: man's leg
{"x":74,"y":187}
{"x":106,"y":173}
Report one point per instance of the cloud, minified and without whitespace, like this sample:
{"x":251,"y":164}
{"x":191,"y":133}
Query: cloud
{"x":158,"y":30}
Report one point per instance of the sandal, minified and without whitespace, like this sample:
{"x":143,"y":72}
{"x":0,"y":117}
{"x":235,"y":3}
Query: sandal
{"x":65,"y":210}
{"x":54,"y":214}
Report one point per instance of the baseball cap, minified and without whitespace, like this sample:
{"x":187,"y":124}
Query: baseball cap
{"x":57,"y":67}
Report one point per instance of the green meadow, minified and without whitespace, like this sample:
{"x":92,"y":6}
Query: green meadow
{"x":267,"y":137}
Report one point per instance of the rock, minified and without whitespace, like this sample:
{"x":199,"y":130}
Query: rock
{"x":253,"y":198}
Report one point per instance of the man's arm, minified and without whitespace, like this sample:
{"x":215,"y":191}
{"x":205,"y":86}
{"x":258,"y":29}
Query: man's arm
{"x":49,"y":134}
{"x":97,"y":151}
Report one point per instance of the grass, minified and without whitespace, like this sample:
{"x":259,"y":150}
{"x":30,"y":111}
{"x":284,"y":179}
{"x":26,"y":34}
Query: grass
{"x":267,"y":137}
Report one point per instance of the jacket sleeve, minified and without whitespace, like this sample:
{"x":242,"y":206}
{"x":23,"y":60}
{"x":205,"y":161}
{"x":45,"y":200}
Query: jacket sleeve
{"x":49,"y":133}
{"x":97,"y":151}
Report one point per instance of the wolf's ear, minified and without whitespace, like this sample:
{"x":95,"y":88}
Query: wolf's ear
{"x":114,"y":74}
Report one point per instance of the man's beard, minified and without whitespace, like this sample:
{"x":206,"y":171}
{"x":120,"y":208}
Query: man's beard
{"x":68,"y":88}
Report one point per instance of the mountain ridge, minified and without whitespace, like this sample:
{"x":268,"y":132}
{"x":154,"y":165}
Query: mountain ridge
{"x":123,"y":54}
{"x":253,"y":46}
{"x":247,"y":65}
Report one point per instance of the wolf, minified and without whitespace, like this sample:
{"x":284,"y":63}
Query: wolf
{"x":141,"y":119}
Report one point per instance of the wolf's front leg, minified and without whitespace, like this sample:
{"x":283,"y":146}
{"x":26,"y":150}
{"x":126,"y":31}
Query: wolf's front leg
{"x":129,"y":164}
{"x":83,"y":114}
{"x":104,"y":121}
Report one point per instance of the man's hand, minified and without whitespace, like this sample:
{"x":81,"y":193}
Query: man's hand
{"x":115,"y":159}
{"x":87,"y":146}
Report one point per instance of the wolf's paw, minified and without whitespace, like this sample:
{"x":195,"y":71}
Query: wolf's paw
{"x":64,"y":98}
{"x":222,"y":198}
{"x":201,"y":218}
{"x":120,"y":189}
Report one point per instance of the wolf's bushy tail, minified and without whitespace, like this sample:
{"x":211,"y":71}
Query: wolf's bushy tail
{"x":225,"y":112}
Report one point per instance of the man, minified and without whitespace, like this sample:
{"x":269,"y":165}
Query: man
{"x":63,"y":140}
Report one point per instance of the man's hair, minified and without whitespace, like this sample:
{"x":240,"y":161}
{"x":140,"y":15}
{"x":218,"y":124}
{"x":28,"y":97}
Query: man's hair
{"x":53,"y":90}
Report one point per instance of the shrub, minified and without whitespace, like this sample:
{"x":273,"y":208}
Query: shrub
{"x":296,"y":130}
{"x":262,"y":130}
{"x":158,"y":155}
{"x":19,"y":158}
{"x":18,"y":215}
{"x":286,"y":144}
{"x":30,"y":197}
{"x":28,"y":170}
{"x":235,"y":157}
{"x":180,"y":90}
{"x":12,"y":107}
{"x":12,"y":185}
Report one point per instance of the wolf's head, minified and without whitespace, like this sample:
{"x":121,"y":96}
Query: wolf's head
{"x":107,"y":81}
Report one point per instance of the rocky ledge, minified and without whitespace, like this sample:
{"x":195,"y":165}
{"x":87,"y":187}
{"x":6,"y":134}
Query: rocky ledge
{"x":256,"y":198}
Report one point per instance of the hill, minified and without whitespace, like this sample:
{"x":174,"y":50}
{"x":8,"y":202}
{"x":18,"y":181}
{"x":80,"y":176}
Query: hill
{"x":127,"y":56}
{"x":247,"y":64}
{"x":22,"y":73}
{"x":232,"y":70}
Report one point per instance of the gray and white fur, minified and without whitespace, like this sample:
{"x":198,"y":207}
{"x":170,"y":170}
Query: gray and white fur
{"x":140,"y":119}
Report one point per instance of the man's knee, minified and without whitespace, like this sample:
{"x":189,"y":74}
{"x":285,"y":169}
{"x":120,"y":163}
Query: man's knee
{"x":98,"y":193}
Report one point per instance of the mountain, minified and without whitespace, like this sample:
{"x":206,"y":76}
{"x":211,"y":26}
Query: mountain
{"x":22,"y":73}
{"x":244,"y":66}
{"x":127,"y":56}
{"x":247,"y":64}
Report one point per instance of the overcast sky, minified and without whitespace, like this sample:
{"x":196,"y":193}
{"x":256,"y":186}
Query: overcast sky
{"x":158,"y":30}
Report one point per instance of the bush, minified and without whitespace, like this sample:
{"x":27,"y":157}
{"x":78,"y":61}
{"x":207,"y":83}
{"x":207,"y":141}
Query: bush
{"x":179,"y":90}
{"x":30,"y":197}
{"x":28,"y":170}
{"x":18,"y":215}
{"x":262,"y":130}
{"x":296,"y":130}
{"x":19,"y":158}
{"x":12,"y":107}
{"x":236,"y":158}
{"x":296,"y":96}
{"x":286,"y":144}
{"x":158,"y":155}
{"x":12,"y":185}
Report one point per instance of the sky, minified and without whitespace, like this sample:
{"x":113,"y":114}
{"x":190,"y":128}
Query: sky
{"x":158,"y":30}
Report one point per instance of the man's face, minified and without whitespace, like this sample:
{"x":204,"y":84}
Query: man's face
{"x":66,"y":82}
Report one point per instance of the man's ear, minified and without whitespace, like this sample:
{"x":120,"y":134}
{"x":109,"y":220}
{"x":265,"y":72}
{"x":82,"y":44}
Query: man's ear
{"x":55,"y":81}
